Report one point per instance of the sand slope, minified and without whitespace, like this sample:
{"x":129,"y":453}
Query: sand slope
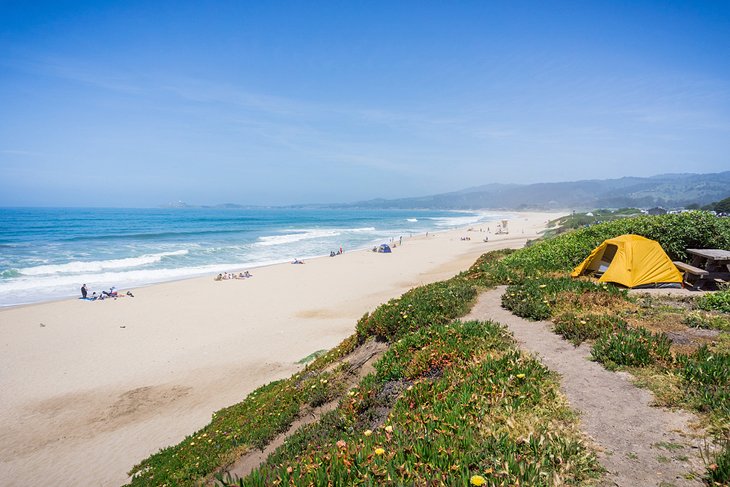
{"x":101,"y":385}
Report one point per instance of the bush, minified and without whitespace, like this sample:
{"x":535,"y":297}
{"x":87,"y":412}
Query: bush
{"x":719,"y":301}
{"x":634,"y":347}
{"x":578,"y":328}
{"x":706,"y":376}
{"x":534,"y":298}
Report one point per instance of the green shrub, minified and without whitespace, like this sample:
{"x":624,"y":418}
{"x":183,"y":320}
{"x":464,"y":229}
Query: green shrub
{"x":533,"y":298}
{"x":706,"y":376}
{"x":578,"y":328}
{"x":527,"y":300}
{"x":424,"y":306}
{"x":634,"y":347}
{"x":719,"y":301}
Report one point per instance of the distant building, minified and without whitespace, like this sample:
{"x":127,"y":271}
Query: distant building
{"x":657,"y":211}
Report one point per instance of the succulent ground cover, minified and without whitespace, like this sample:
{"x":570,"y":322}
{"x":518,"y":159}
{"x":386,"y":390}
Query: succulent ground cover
{"x":455,"y":403}
{"x":468,"y":405}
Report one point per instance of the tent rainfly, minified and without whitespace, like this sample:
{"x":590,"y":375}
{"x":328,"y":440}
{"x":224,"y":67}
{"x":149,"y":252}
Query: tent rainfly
{"x":632,"y":261}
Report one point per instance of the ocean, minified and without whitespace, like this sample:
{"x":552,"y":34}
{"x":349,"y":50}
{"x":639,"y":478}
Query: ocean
{"x":48,"y":253}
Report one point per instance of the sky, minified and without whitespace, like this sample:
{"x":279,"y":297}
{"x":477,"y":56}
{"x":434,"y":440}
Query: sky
{"x":139,"y":103}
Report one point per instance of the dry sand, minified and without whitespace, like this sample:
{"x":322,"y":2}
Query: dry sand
{"x":91,"y":388}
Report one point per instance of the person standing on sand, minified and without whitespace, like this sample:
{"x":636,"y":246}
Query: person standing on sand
{"x":84,"y":292}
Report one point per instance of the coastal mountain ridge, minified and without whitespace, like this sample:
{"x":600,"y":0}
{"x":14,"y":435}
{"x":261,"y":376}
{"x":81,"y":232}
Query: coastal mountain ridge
{"x":667,"y":190}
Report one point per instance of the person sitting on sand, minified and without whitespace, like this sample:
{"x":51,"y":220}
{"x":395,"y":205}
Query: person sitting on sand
{"x":219,"y":277}
{"x":247,"y":274}
{"x":297,"y":261}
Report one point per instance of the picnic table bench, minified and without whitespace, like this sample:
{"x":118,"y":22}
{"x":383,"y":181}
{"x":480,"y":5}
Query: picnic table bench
{"x":709,"y":268}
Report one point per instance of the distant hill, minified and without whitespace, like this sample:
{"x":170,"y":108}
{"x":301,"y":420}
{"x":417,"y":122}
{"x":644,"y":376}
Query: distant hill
{"x":666,"y":190}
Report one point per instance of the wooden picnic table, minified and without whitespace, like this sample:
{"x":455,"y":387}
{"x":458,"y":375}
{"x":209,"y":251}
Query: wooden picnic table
{"x":709,"y":267}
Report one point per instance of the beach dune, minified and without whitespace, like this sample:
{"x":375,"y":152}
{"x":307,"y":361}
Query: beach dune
{"x":91,"y":388}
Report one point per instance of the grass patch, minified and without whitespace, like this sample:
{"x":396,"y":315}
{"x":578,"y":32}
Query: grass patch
{"x":706,"y":376}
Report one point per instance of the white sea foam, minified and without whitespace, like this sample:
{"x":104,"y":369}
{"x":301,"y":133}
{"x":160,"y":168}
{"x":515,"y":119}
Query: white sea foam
{"x":412,"y":220}
{"x":309,"y":234}
{"x":462,"y":220}
{"x":78,"y":267}
{"x":27,"y":289}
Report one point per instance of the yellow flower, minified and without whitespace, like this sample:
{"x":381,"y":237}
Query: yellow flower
{"x":368,"y":432}
{"x":389,"y":429}
{"x":477,"y":480}
{"x":379,"y":451}
{"x":520,"y":376}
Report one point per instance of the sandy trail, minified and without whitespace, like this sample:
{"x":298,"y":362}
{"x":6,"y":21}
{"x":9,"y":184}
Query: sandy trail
{"x":642,"y":445}
{"x":102,"y":385}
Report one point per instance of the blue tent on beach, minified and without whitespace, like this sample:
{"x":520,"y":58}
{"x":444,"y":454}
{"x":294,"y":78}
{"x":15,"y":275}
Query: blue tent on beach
{"x":384,"y":249}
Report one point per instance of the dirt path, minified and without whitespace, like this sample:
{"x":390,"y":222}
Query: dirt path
{"x":641,"y":445}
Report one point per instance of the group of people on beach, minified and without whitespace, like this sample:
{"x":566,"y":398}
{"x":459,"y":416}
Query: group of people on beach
{"x":111,"y":293}
{"x":339,"y":252}
{"x":224,"y":276}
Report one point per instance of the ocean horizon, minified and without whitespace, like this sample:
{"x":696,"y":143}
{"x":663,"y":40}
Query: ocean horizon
{"x":48,"y":253}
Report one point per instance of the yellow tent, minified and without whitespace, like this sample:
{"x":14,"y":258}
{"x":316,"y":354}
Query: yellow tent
{"x":630,"y":260}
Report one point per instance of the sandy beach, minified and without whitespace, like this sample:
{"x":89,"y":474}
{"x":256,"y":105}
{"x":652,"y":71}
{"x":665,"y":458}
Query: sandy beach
{"x":91,"y":388}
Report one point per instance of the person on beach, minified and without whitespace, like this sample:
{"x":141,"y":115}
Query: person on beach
{"x":84,"y":291}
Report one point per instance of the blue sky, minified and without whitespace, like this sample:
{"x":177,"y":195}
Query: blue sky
{"x":138,"y":103}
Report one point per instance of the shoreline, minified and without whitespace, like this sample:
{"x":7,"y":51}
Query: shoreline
{"x":216,"y":268}
{"x":101,"y":386}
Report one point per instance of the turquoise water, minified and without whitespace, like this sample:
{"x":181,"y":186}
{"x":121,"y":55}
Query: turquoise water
{"x":48,"y":253}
